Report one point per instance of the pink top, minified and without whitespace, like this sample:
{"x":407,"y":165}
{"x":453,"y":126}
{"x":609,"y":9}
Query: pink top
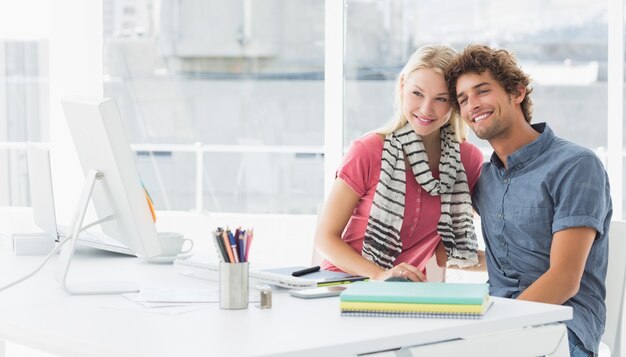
{"x":361,"y":171}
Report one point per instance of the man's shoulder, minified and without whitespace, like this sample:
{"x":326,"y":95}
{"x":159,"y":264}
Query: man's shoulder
{"x":570,"y":145}
{"x":564,"y":158}
{"x":567,"y":150}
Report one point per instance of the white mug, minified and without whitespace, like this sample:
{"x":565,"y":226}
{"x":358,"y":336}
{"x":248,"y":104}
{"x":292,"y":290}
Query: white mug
{"x":173,"y":243}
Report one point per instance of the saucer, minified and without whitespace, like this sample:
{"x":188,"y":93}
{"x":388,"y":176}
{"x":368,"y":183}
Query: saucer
{"x":167,"y":259}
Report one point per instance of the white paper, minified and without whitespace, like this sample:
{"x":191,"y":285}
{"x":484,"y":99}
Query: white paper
{"x":161,"y":297}
{"x":167,"y":295}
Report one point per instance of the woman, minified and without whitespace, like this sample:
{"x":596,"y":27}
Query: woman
{"x":383,"y":221}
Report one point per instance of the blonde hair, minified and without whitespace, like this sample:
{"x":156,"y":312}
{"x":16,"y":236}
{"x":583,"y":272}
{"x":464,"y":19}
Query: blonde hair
{"x":432,"y":57}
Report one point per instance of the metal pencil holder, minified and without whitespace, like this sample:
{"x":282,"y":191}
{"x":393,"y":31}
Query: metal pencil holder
{"x":233,"y":285}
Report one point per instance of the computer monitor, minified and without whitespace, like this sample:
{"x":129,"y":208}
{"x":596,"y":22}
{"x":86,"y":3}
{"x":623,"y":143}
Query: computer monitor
{"x":44,"y":212}
{"x":112,"y":181}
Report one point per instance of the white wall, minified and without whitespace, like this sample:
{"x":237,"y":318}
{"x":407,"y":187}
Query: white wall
{"x":25,"y":19}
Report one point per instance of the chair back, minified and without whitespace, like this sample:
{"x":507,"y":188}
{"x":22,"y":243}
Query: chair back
{"x":615,"y":276}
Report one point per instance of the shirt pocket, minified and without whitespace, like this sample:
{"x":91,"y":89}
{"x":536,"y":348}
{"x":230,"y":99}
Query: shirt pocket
{"x":531,"y":228}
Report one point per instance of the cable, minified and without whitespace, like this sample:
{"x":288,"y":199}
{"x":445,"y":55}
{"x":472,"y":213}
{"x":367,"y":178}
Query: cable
{"x":53,"y":252}
{"x":105,"y":219}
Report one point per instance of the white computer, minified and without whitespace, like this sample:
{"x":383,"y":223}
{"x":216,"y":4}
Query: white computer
{"x":44,"y":213}
{"x":112,"y":183}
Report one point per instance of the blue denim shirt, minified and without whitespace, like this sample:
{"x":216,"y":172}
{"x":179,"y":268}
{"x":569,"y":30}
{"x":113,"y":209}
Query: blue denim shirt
{"x":550,"y":185}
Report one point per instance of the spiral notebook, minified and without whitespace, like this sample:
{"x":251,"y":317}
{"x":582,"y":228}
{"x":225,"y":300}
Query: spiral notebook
{"x":406,"y":314}
{"x":446,"y":311}
{"x":409,"y":307}
{"x":419,"y":293}
{"x":423,"y":300}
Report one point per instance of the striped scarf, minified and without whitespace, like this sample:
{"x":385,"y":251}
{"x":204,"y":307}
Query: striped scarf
{"x":382,"y":243}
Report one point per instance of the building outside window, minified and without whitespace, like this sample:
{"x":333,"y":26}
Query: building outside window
{"x":224,"y":103}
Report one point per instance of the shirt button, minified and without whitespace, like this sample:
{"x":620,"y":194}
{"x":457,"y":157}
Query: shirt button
{"x":499,"y":215}
{"x":418,"y":200}
{"x":414,"y":219}
{"x":506,"y":181}
{"x":412,"y":229}
{"x":417,"y":210}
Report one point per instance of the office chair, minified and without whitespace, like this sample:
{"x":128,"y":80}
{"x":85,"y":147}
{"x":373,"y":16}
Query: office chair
{"x":616,"y":273}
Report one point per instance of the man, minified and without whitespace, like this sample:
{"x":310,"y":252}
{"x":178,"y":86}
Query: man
{"x":544,"y":202}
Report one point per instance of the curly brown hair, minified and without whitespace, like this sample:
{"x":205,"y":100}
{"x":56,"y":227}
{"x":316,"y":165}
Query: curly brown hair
{"x":503,"y":67}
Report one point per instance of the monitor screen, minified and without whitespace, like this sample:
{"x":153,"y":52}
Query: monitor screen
{"x":40,"y":184}
{"x":101,"y":144}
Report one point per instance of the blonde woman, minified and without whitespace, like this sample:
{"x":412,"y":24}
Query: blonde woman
{"x":403,"y":192}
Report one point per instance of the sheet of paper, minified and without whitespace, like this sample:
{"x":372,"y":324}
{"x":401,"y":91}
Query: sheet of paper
{"x":168,"y":295}
{"x":159,"y":297}
{"x":138,"y":306}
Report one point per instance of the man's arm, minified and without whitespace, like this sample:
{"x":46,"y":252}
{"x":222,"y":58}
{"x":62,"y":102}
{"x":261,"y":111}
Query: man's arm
{"x":568,"y":255}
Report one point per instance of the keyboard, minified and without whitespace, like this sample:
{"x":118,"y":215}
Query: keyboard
{"x":97,"y":240}
{"x":207,"y":268}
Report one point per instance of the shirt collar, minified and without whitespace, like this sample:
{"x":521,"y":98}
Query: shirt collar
{"x":529,"y":152}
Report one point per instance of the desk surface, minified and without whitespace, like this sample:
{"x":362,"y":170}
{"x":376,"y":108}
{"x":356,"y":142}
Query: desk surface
{"x":40,"y":314}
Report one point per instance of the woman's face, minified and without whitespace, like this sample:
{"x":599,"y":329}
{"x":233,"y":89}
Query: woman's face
{"x":426,"y":102}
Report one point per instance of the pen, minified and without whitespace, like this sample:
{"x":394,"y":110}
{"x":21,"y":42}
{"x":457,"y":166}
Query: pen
{"x":306,"y":271}
{"x":242,"y":245}
{"x":250,"y":236}
{"x":233,"y":246}
{"x":342,"y":282}
{"x":229,"y":251}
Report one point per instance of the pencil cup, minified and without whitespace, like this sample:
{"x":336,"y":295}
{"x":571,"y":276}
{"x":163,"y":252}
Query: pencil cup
{"x":233,"y":285}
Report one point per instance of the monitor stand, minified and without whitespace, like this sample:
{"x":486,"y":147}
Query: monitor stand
{"x":67,"y":252}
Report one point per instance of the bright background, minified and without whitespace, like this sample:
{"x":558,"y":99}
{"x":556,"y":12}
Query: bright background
{"x":239,"y":111}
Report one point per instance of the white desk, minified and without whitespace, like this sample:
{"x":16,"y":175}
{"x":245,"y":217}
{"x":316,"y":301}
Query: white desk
{"x":39,"y":314}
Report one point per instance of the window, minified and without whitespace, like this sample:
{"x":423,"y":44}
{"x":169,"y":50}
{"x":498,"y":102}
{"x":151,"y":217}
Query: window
{"x":23,"y":113}
{"x":224,"y":99}
{"x":24,"y":92}
{"x":562,"y":45}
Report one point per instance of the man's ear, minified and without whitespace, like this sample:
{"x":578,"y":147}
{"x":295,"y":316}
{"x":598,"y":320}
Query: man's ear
{"x":520,"y":94}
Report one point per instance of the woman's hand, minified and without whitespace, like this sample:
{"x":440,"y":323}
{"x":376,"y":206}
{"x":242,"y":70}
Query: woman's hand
{"x":402,"y":270}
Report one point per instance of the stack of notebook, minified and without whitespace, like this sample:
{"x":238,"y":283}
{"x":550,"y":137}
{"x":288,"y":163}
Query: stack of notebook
{"x":402,"y":299}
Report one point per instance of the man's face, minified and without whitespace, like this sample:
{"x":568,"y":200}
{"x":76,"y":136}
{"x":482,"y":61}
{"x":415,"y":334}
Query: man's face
{"x":484,"y":104}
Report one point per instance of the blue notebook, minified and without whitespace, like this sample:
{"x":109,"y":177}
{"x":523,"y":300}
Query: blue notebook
{"x":420,"y":293}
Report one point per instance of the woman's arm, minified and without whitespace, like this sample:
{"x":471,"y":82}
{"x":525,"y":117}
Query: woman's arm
{"x":331,"y":224}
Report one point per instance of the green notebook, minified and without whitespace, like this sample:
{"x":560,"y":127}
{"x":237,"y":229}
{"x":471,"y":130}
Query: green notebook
{"x":421,"y":293}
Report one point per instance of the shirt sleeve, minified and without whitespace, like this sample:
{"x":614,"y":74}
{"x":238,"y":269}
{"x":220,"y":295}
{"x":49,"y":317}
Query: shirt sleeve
{"x":358,"y":167}
{"x":581,"y":195}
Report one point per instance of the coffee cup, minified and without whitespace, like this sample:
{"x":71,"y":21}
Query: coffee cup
{"x":173,"y":244}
